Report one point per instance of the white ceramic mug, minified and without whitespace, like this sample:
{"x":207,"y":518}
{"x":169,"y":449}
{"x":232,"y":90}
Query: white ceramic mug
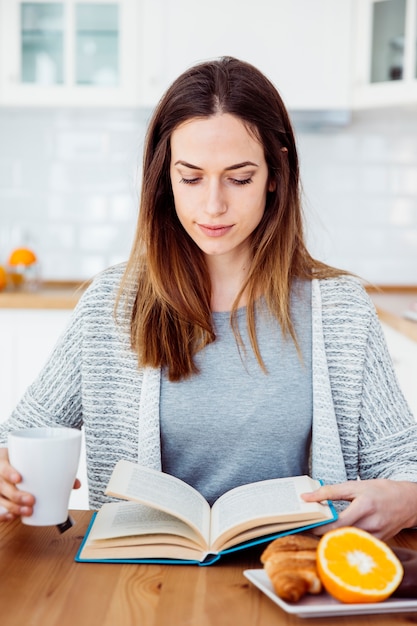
{"x":47,"y":459}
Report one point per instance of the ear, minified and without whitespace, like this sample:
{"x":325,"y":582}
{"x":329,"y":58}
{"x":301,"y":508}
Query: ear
{"x":272,"y":185}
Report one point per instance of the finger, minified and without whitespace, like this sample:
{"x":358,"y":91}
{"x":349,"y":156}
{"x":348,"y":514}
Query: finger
{"x":77,"y":484}
{"x":3,"y":512}
{"x":17,"y":503}
{"x":342,"y":491}
{"x":5,"y":515}
{"x":12,"y":494}
{"x":363,"y":515}
{"x":358,"y":510}
{"x":318,"y":531}
{"x":9,"y":474}
{"x":10,"y":509}
{"x":359,"y":514}
{"x":341,"y":521}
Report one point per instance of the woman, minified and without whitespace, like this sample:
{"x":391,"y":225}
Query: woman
{"x":222,"y":352}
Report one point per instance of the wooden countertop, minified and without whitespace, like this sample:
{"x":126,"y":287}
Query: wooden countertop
{"x":50,"y":295}
{"x":391,"y":302}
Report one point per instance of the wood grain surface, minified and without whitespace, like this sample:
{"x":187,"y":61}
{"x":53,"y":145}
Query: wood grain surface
{"x":41,"y":585}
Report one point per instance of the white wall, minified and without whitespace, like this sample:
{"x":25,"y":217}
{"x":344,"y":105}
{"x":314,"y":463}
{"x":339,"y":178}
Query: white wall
{"x":360,"y":188}
{"x":71,"y":179}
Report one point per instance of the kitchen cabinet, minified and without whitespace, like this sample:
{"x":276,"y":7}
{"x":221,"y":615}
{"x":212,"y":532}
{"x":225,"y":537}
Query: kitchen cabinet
{"x":50,"y":52}
{"x":27,"y":337}
{"x":385,"y":64}
{"x":323,"y":55}
{"x":304,"y":46}
{"x":73,"y":52}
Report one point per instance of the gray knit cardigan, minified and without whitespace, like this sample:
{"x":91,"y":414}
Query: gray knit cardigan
{"x":362,"y":425}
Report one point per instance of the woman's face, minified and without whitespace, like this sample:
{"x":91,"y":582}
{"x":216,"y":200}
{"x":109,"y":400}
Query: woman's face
{"x":219,"y":179}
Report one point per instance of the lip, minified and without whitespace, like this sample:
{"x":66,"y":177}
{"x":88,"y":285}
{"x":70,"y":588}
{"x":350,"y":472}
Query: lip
{"x":215,"y":230}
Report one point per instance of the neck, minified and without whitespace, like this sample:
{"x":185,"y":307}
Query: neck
{"x":226,"y":282}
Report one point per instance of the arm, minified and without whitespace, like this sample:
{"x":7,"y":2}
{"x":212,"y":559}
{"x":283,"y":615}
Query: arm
{"x":387,"y":434}
{"x":384,"y":442}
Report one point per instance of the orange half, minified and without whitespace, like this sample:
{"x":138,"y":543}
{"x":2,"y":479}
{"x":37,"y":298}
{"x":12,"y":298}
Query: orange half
{"x":22,"y":256}
{"x":354,"y":566}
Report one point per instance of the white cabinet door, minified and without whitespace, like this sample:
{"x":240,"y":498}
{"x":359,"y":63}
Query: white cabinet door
{"x":36,"y":333}
{"x":68,"y":53}
{"x":404,"y":355}
{"x":304,"y":46}
{"x":27,"y":338}
{"x":7,"y":364}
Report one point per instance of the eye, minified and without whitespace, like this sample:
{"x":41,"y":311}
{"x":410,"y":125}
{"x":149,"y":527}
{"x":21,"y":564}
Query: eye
{"x":243,"y":181}
{"x":189,"y":181}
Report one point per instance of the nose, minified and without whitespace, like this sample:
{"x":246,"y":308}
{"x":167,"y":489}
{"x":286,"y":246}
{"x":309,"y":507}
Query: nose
{"x":215,"y":199}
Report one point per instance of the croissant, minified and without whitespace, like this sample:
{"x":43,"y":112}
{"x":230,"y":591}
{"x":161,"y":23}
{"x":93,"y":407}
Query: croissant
{"x":290,"y":563}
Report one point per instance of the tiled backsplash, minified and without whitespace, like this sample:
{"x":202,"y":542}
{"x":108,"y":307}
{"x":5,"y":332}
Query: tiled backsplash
{"x":360,"y":186}
{"x":69,"y":185}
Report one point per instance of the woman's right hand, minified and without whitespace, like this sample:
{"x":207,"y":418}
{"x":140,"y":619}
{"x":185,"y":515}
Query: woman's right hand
{"x":13,"y":502}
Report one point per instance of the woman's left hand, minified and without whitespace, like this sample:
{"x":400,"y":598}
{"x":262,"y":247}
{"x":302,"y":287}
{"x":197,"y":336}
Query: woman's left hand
{"x":380,"y":506}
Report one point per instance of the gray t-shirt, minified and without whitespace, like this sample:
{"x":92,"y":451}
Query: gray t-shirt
{"x":233,"y":424}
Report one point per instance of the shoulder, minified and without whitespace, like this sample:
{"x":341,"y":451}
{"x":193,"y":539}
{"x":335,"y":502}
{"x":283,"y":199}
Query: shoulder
{"x":108,"y":280}
{"x":344,"y":292}
{"x":104,"y":286}
{"x":345,"y":308}
{"x":95,"y":315}
{"x":97,"y":303}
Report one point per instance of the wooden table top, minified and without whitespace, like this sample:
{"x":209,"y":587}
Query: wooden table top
{"x":42,"y":585}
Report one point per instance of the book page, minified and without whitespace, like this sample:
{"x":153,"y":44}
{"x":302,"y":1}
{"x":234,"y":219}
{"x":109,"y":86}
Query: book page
{"x":264,"y":502}
{"x":161,"y":491}
{"x":117,"y":520}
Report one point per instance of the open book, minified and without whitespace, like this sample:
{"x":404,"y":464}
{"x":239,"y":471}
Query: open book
{"x":166,"y":519}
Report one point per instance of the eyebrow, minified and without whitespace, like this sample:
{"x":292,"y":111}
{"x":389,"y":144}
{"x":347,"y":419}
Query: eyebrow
{"x":236,"y":166}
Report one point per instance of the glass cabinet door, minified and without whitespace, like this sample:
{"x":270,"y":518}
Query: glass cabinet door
{"x":70,"y":42}
{"x":388,"y":37}
{"x":97,"y":44}
{"x":42,"y":43}
{"x":414,"y":44}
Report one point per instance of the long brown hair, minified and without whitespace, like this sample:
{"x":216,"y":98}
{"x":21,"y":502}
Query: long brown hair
{"x":171,"y":317}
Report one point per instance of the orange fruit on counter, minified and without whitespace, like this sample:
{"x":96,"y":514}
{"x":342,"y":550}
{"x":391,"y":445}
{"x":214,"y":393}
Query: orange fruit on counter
{"x":3,"y":278}
{"x":354,"y":566}
{"x":22,"y":256}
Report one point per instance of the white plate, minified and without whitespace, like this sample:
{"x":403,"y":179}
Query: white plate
{"x":324,"y":605}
